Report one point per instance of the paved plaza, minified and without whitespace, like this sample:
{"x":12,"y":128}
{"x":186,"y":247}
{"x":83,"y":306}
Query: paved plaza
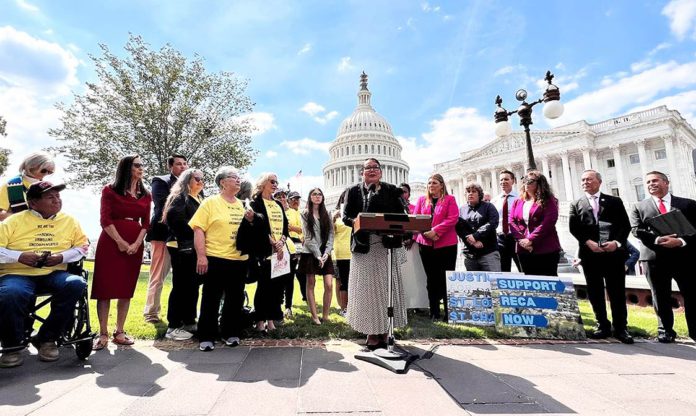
{"x":646,"y":378}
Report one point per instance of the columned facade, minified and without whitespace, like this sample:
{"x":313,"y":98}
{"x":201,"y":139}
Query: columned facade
{"x":362,"y":135}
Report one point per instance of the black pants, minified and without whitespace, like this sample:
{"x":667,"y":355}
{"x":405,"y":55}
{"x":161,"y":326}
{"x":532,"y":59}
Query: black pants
{"x":183,"y":298}
{"x":224,"y":276}
{"x":539,"y":264}
{"x":269,"y":295}
{"x":436,"y":261}
{"x":506,"y":248}
{"x":601,"y":270}
{"x":343,"y":273}
{"x":289,"y":282}
{"x":660,"y":275}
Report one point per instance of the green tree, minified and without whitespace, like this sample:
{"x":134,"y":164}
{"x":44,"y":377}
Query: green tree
{"x":4,"y":153}
{"x":154,"y":103}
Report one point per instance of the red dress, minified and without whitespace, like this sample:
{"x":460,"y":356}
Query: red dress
{"x":115,"y":272}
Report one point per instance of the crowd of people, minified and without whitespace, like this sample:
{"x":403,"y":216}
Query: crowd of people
{"x":216,"y":244}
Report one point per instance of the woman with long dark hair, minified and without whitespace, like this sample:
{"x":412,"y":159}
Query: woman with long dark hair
{"x":533,"y":219}
{"x":316,"y":260}
{"x":125,"y":218}
{"x":182,"y":203}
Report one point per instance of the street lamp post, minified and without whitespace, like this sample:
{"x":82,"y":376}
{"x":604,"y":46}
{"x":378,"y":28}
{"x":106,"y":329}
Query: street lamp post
{"x":552,"y":109}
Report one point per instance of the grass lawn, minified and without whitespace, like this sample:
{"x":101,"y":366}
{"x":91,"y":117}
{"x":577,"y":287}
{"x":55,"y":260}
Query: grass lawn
{"x":641,"y":321}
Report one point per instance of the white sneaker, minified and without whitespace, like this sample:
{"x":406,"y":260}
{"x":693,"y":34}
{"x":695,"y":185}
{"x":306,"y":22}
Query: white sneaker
{"x":178,"y":334}
{"x":190,"y":327}
{"x":231,"y":341}
{"x":206,"y":346}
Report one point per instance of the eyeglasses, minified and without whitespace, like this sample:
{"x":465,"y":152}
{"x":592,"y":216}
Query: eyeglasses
{"x":199,"y":180}
{"x":273,"y":182}
{"x":317,"y":194}
{"x":372,"y":168}
{"x":46,"y":172}
{"x":138,"y":165}
{"x":234,"y":177}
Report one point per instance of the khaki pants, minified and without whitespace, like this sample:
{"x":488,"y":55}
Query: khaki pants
{"x":159,"y":268}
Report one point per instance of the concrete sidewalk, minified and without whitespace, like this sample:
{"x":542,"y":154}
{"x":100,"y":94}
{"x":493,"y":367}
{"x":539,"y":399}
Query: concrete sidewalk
{"x":645,"y":378}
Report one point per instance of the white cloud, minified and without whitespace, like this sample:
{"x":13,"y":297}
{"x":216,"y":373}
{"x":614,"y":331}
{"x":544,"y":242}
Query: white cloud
{"x":426,"y":7}
{"x":261,"y":121}
{"x":628,"y":90}
{"x":305,"y":49}
{"x":684,"y":102}
{"x":345,"y":64}
{"x":508,"y":69}
{"x":682,"y":17}
{"x":458,"y":130}
{"x":24,"y":4}
{"x":271,"y":154}
{"x":315,"y":111}
{"x":305,"y":146}
{"x":658,"y":48}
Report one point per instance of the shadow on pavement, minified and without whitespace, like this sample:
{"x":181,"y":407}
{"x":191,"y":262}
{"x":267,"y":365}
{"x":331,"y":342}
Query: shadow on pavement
{"x":482,"y":391}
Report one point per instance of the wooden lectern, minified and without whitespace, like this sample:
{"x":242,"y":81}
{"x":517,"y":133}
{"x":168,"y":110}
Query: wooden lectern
{"x":390,"y":225}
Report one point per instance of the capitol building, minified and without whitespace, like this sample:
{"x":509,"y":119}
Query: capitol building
{"x":365,"y":133}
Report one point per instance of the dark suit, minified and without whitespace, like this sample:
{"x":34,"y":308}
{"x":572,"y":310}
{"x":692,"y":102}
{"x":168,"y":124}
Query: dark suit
{"x":664,"y":264}
{"x":603,"y":268}
{"x":161,"y":185}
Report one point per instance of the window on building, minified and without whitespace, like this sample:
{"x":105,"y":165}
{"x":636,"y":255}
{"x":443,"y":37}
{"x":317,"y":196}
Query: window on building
{"x":640,"y":192}
{"x":634,"y":159}
{"x":610,"y":163}
{"x":615,"y":192}
{"x":660,"y":154}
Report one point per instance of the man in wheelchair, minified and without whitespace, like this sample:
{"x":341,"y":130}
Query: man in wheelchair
{"x":35,"y":247}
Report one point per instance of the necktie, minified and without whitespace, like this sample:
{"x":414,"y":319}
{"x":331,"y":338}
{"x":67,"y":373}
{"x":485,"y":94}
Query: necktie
{"x":662,"y":207}
{"x":595,"y":207}
{"x":506,"y":226}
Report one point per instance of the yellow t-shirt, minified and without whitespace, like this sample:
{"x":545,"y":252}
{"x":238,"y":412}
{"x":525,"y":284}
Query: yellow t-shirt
{"x":220,"y":221}
{"x":295,"y":220}
{"x":5,"y":197}
{"x":25,"y":231}
{"x":341,"y":241}
{"x":275,"y":218}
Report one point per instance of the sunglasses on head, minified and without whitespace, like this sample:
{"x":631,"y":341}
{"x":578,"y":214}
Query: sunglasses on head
{"x":46,"y":172}
{"x":138,"y":165}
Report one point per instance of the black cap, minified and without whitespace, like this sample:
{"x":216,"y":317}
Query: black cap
{"x":293,"y":194}
{"x":37,"y":189}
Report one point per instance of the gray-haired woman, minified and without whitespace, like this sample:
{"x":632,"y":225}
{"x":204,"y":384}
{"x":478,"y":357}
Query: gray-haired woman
{"x":221,"y":229}
{"x":182,"y":203}
{"x":33,"y":168}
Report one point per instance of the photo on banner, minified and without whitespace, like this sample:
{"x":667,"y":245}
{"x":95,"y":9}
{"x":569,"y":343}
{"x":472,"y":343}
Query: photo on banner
{"x":543,"y":307}
{"x":469,"y":299}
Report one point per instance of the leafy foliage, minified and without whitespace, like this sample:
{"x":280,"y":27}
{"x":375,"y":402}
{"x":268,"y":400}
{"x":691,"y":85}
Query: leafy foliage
{"x":4,"y":153}
{"x":154,"y":103}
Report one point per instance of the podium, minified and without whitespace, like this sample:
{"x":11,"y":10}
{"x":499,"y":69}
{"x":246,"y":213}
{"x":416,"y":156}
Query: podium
{"x":390,"y":225}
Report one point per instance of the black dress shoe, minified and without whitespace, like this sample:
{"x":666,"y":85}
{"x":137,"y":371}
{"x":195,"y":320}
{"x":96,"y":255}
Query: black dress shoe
{"x":666,"y":338}
{"x":600,"y":333}
{"x":624,"y":336}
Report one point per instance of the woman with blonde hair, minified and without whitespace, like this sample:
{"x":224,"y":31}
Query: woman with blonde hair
{"x":182,"y":203}
{"x":438,"y":246}
{"x":33,"y":168}
{"x":271,"y":232}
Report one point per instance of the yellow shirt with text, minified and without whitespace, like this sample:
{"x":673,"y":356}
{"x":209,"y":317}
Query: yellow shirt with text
{"x":220,"y":221}
{"x":275,"y":218}
{"x":26,"y":231}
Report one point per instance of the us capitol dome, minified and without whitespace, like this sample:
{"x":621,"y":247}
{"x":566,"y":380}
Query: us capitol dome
{"x":362,"y":135}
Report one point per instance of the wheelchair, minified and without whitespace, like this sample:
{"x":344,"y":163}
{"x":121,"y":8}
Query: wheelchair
{"x":78,"y":332}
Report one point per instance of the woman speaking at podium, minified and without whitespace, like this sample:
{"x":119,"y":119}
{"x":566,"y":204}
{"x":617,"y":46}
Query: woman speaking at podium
{"x":368,"y":290}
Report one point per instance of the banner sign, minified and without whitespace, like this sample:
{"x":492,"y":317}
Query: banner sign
{"x":469,"y":298}
{"x":536,"y":306}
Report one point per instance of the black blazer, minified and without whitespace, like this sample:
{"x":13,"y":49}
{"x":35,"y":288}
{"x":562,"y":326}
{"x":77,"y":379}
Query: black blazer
{"x":649,"y":250}
{"x":260,"y":245}
{"x":584,"y":227}
{"x":178,"y":216}
{"x":161,"y":186}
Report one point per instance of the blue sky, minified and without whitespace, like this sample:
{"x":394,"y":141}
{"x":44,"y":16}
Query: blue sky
{"x":434,"y":67}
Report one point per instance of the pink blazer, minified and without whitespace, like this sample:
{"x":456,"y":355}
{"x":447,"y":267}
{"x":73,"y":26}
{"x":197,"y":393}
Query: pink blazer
{"x":444,"y":219}
{"x":541,"y":230}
